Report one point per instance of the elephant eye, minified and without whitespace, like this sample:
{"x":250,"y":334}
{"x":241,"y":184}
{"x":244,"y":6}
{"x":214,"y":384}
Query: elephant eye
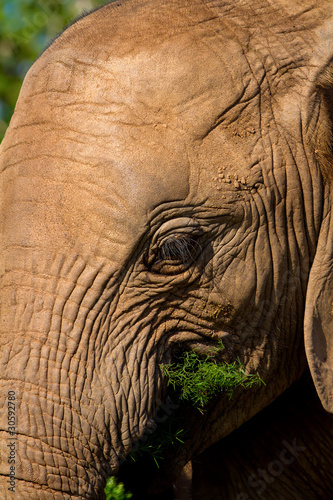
{"x":174,"y":255}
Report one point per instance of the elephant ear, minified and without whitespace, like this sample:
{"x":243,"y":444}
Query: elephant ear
{"x":318,"y":320}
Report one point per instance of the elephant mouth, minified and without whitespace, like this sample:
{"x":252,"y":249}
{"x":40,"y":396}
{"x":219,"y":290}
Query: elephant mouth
{"x":156,"y":460}
{"x":221,"y":344}
{"x":154,"y":464}
{"x":170,"y":440}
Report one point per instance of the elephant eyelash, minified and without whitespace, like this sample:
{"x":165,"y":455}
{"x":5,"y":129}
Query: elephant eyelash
{"x":175,"y":254}
{"x":179,"y":248}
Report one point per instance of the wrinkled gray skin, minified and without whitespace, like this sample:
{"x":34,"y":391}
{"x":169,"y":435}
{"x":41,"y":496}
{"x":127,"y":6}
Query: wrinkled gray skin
{"x":146,"y":123}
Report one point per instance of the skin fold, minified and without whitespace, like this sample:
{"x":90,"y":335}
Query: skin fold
{"x":147,"y":123}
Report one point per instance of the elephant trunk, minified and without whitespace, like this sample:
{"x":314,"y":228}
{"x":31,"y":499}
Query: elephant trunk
{"x":55,"y":431}
{"x":31,"y":468}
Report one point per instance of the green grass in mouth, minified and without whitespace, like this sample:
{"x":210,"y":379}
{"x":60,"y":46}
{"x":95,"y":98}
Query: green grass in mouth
{"x":197,"y":379}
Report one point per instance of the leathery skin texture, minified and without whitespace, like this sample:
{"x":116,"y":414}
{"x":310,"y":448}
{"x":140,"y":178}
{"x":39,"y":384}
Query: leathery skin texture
{"x":166,"y":185}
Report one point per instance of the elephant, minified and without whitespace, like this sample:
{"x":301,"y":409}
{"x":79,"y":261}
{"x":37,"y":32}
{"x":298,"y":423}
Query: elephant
{"x":165,"y":187}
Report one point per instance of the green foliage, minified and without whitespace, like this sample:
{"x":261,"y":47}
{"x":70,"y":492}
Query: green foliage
{"x":26,"y":26}
{"x":115,"y":491}
{"x":197,"y":379}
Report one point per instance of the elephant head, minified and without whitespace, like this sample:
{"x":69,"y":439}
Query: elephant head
{"x":165,"y":186}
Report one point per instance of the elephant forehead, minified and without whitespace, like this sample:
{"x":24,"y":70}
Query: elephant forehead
{"x":75,"y":113}
{"x":147,"y":108}
{"x":110,"y":138}
{"x":185,"y":82}
{"x":199,"y":97}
